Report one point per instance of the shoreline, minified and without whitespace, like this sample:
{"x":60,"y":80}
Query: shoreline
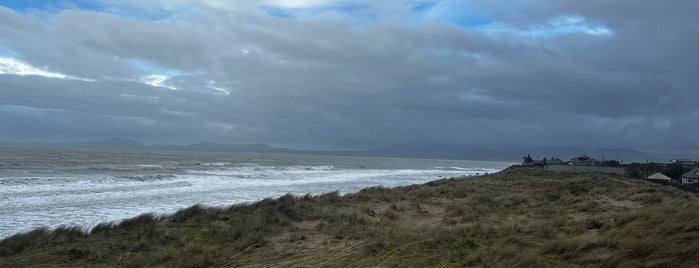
{"x":514,"y":217}
{"x":238,"y":197}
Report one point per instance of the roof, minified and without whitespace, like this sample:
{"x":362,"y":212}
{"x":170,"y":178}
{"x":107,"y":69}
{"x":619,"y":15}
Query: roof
{"x":692,"y":174}
{"x":582,"y":158}
{"x":681,"y":160}
{"x":555,"y":161}
{"x":658,"y":176}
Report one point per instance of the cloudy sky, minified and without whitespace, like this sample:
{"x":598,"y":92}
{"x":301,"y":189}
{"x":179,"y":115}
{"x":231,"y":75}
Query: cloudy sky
{"x":353,"y":74}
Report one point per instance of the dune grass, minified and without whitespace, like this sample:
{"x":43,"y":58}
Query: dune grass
{"x":514,"y":218}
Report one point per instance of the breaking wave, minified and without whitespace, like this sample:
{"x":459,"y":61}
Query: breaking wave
{"x":87,"y":195}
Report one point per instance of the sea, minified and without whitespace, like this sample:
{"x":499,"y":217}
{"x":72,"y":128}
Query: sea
{"x":50,"y":187}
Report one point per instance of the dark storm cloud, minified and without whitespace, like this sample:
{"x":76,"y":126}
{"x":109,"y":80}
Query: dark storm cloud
{"x":591,"y":73}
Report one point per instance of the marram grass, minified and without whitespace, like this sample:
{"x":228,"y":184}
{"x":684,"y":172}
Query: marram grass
{"x":514,"y":218}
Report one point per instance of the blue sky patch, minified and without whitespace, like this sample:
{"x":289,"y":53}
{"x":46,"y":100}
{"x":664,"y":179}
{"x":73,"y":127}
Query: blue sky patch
{"x":422,"y":8}
{"x":51,"y":5}
{"x":154,"y":69}
{"x":469,"y":20}
{"x":354,"y":8}
{"x":7,"y":53}
{"x":457,"y":13}
{"x":278,"y":12}
{"x":55,"y":6}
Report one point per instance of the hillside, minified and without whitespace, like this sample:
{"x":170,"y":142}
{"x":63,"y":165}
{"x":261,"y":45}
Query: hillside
{"x":518,"y":217}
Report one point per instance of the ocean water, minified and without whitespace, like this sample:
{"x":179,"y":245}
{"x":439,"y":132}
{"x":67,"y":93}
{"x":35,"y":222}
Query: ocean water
{"x":59,"y":186}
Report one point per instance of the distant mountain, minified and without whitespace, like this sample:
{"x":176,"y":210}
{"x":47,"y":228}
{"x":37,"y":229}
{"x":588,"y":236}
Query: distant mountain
{"x":561,"y":152}
{"x":130,"y":144}
{"x":509,"y":154}
{"x":565,"y":153}
{"x":493,"y":155}
{"x":224,"y":147}
{"x":665,"y":157}
{"x":108,"y":143}
{"x":402,"y":151}
{"x":628,"y":155}
{"x":515,"y":153}
{"x":444,"y":152}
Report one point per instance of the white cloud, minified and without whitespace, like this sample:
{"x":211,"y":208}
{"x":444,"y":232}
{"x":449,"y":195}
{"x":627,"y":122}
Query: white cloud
{"x":300,"y":81}
{"x":158,"y":80}
{"x":212,"y":85}
{"x":568,"y":24}
{"x":16,"y":67}
{"x":556,"y":26}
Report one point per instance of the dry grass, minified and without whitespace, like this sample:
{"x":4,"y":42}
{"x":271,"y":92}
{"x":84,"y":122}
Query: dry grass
{"x":517,"y":218}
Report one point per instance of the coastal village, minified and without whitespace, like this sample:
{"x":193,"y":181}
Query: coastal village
{"x":675,"y":172}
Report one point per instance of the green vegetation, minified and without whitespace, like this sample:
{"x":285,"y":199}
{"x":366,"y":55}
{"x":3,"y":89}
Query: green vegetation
{"x":518,"y":217}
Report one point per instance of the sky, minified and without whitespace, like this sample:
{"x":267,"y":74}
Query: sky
{"x":353,"y":74}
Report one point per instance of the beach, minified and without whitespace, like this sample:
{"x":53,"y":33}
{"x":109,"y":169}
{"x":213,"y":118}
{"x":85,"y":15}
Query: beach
{"x":513,"y":218}
{"x":50,"y":187}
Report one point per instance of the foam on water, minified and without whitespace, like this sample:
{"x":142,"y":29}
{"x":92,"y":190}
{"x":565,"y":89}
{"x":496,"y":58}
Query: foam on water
{"x":88,"y":198}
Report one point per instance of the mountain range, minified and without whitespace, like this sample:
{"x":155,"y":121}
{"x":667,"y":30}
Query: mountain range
{"x":624,"y":155}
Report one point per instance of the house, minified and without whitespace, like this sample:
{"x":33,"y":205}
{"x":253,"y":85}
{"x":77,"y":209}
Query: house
{"x":584,"y":169}
{"x":691,"y":177}
{"x":527,"y":160}
{"x":684,"y":162}
{"x":583,"y":160}
{"x":555,"y":161}
{"x":658,"y":176}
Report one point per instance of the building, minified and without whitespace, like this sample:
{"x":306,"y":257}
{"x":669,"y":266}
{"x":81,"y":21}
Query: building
{"x":684,"y":162}
{"x":555,"y":161}
{"x":585,"y":169}
{"x":658,"y":176}
{"x":528,"y":161}
{"x":583,"y":160}
{"x":691,"y":177}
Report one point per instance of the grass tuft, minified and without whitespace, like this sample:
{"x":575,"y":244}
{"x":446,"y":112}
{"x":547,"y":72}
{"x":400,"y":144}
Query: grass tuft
{"x":514,"y":218}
